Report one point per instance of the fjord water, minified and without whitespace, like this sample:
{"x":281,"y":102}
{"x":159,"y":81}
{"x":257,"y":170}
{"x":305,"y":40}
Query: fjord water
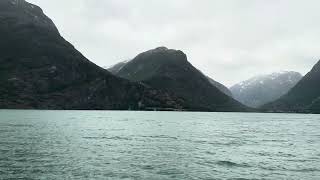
{"x":158,"y":145}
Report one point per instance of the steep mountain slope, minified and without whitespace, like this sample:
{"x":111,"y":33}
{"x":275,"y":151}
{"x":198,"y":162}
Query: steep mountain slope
{"x":117,"y":67}
{"x":260,"y":90}
{"x":39,"y":69}
{"x":169,"y":70}
{"x":220,"y":86}
{"x":304,"y":97}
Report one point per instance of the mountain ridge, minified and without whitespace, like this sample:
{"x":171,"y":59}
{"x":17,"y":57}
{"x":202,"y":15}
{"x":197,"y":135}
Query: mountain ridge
{"x":117,"y":67}
{"x":169,"y":69}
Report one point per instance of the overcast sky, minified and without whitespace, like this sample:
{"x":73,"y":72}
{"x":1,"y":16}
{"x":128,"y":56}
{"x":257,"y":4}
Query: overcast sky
{"x":230,"y":40}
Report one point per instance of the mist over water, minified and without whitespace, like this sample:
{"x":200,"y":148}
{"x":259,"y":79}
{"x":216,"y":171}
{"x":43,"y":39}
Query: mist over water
{"x":158,"y":145}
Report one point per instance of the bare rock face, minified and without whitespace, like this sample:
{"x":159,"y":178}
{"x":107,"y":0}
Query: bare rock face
{"x":41,"y":70}
{"x":169,"y":70}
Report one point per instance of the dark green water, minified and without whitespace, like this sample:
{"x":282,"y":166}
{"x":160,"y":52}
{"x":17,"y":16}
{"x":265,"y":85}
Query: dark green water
{"x":158,"y":145}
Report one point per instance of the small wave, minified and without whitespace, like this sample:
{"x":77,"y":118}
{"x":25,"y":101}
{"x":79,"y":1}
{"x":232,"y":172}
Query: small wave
{"x":124,"y":120}
{"x":150,"y":120}
{"x":230,"y":143}
{"x":114,"y":129}
{"x":290,"y":170}
{"x":270,"y":168}
{"x":102,"y":117}
{"x":282,"y":154}
{"x":17,"y":125}
{"x":307,"y":170}
{"x":279,"y":154}
{"x":210,"y":153}
{"x":274,"y":140}
{"x":110,"y":138}
{"x":267,"y":154}
{"x":161,"y":137}
{"x":231,"y":164}
{"x":170,"y":172}
{"x":147,"y":167}
{"x":198,"y":141}
{"x":5,"y":130}
{"x":300,"y":160}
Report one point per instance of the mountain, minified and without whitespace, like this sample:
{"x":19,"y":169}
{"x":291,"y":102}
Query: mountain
{"x":304,"y":97}
{"x":41,"y":70}
{"x":220,"y":86}
{"x":117,"y":67}
{"x":263,"y":89}
{"x":169,"y":70}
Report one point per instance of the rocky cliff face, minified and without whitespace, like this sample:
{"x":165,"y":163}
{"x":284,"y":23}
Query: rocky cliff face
{"x":40,"y":69}
{"x":169,"y":70}
{"x":263,"y":89}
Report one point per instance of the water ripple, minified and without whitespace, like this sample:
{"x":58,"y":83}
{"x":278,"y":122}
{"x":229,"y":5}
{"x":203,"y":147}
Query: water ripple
{"x":158,"y":145}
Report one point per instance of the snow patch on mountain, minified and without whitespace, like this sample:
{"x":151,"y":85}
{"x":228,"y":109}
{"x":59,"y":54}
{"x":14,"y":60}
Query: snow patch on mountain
{"x":262,"y":89}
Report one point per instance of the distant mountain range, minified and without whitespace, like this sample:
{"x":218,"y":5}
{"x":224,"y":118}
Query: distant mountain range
{"x":303,"y":97}
{"x":263,"y":89}
{"x":169,"y":70}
